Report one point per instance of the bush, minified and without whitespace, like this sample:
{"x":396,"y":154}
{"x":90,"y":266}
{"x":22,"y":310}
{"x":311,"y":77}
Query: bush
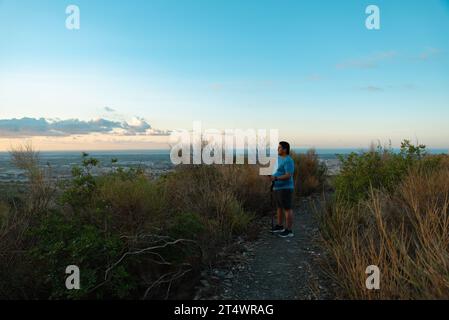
{"x":62,"y":241}
{"x":81,"y":190}
{"x":187,"y":226}
{"x":131,"y":236}
{"x":216,"y":195}
{"x":310,"y":173}
{"x":132,"y":204}
{"x":41,"y":186}
{"x":250,"y":189}
{"x":379,"y":168}
{"x":398,"y":220}
{"x":404,"y":234}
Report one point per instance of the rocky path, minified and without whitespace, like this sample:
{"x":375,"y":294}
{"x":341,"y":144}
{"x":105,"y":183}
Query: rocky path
{"x":279,"y":269}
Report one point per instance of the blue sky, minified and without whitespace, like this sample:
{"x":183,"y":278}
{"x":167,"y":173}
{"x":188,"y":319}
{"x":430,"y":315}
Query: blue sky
{"x":308,"y":68}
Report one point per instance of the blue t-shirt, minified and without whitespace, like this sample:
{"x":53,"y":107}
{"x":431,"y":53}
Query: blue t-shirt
{"x":284,"y":166}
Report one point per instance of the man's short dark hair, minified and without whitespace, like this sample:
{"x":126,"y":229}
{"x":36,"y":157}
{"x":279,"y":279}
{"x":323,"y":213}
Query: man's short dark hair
{"x":285,"y":146}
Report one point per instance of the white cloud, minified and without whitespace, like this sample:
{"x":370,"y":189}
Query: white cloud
{"x":372,"y":89}
{"x":369,"y":62}
{"x":29,"y":127}
{"x":429,"y":53}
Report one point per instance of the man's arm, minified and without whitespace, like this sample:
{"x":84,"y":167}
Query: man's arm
{"x":284,"y":177}
{"x":289,"y":169}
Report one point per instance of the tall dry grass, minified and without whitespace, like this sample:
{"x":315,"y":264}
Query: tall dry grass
{"x":310,"y":173}
{"x":41,"y":185}
{"x":404,"y":233}
{"x":226,"y":198}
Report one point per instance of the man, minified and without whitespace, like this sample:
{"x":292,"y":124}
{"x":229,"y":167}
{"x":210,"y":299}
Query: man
{"x":283,"y":190}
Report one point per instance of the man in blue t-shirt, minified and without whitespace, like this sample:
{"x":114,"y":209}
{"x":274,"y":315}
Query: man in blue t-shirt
{"x":283,"y":190}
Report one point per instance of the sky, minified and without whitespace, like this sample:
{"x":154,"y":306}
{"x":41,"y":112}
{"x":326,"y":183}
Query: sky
{"x":135,"y":70}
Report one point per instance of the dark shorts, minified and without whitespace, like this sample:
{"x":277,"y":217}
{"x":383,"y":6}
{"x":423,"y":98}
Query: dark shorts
{"x":284,"y":198}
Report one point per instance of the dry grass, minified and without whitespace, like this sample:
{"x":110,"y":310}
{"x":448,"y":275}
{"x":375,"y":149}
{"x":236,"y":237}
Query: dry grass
{"x":42,"y":187}
{"x":225,"y":197}
{"x":406,"y":234}
{"x":310,"y":174}
{"x":132,"y":205}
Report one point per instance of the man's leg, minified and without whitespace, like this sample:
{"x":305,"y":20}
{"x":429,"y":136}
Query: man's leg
{"x":288,"y":205}
{"x":280,"y":217}
{"x":289,"y":219}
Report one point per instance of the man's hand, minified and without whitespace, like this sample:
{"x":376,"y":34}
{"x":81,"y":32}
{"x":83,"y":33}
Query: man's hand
{"x":273,"y":178}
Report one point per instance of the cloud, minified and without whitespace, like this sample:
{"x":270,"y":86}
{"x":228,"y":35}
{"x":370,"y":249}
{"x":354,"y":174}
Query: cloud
{"x":375,"y":60}
{"x":158,"y":132}
{"x":135,"y":126}
{"x":370,"y":62}
{"x":429,"y":53}
{"x":26,"y":127}
{"x":397,"y":87}
{"x":372,"y":89}
{"x":409,"y":86}
{"x":108,"y":109}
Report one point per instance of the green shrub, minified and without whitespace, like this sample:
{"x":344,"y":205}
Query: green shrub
{"x":62,"y":241}
{"x":187,"y":226}
{"x":82,"y":187}
{"x":240,"y":219}
{"x":132,"y":204}
{"x":381,"y":168}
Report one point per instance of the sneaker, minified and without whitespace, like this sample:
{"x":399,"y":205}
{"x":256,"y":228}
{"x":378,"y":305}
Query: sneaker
{"x":277,"y":229}
{"x":286,"y":234}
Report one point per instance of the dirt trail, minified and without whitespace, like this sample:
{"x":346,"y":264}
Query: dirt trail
{"x":277,"y":268}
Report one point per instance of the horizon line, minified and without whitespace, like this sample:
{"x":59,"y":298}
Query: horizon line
{"x":438,"y":149}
